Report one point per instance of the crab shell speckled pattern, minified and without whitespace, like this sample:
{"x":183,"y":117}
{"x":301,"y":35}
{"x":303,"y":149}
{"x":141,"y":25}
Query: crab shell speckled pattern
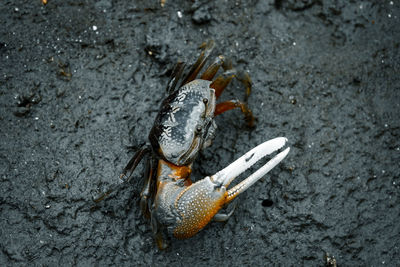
{"x":197,"y":205}
{"x":185,"y":124}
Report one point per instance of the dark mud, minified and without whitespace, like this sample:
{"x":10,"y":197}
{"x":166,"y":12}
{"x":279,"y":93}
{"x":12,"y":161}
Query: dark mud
{"x":81,"y":82}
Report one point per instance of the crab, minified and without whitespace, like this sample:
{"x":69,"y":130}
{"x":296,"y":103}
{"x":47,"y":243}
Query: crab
{"x":184,"y":126}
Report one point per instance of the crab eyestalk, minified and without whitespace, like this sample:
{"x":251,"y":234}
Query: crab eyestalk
{"x":198,"y":203}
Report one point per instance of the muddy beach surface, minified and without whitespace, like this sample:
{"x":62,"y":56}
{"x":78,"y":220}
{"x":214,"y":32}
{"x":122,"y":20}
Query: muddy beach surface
{"x":81,"y":83}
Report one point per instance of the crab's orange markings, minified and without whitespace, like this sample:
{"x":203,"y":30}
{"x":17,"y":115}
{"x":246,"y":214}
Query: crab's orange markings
{"x":202,"y":214}
{"x":223,"y":107}
{"x":177,"y":172}
{"x":196,"y":206}
{"x":220,"y":83}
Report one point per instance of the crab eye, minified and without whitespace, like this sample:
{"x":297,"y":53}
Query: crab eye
{"x":198,"y":128}
{"x":205,"y":101}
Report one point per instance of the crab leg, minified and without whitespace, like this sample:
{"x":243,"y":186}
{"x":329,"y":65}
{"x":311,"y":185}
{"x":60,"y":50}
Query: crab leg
{"x":231,"y":104}
{"x":207,"y":49}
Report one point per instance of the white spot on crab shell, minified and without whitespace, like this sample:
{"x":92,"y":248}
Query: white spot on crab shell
{"x":181,"y":97}
{"x":166,"y":134}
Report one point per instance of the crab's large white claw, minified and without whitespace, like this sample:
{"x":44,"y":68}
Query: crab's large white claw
{"x":227,"y":175}
{"x":198,"y":203}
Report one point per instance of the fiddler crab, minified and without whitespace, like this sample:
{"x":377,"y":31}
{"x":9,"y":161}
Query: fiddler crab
{"x":183,"y":127}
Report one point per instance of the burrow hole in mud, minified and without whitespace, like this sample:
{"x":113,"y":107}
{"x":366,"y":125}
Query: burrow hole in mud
{"x":267,"y":203}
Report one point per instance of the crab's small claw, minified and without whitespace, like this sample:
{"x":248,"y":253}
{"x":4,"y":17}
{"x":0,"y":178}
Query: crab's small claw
{"x":197,"y":204}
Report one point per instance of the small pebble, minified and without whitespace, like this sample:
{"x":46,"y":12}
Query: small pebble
{"x":202,"y":15}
